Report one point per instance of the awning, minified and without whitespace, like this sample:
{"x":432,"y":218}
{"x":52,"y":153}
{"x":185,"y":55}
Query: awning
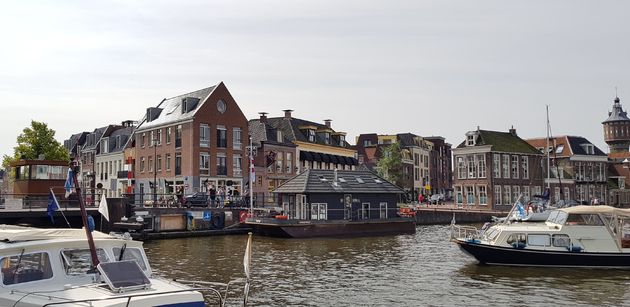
{"x":334,"y":159}
{"x":306,"y":156}
{"x":325,"y":157}
{"x":317,"y":156}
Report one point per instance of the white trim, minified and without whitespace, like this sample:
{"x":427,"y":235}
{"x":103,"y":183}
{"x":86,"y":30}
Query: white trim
{"x":589,"y":158}
{"x":471,"y":150}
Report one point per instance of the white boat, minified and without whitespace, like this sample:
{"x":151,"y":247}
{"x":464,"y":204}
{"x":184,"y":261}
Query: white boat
{"x":580,"y":236}
{"x":53,"y":267}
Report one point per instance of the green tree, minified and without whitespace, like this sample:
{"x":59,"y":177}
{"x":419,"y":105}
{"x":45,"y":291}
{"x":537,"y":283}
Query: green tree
{"x":35,"y":141}
{"x":390,"y":165}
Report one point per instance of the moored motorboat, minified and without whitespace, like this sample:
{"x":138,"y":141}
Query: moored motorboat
{"x":580,"y":236}
{"x":53,"y":267}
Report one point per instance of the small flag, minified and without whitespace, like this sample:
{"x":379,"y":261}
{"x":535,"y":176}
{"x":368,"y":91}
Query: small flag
{"x":102,"y":207}
{"x":53,"y":205}
{"x":69,"y":186}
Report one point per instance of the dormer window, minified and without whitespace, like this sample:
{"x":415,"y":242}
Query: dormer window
{"x":311,"y":135}
{"x":342,"y":140}
{"x":470,"y":140}
{"x":279,"y":137}
{"x":326,"y":138}
{"x":588,"y":148}
{"x":118,"y":141}
{"x":104,"y":146}
{"x":367,"y":143}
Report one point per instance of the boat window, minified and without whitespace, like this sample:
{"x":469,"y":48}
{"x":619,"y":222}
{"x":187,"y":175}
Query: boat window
{"x":79,"y":261}
{"x":584,"y":219}
{"x":492,"y":233}
{"x":625,"y":232}
{"x":131,"y":253}
{"x":539,"y":240}
{"x":557,"y":217}
{"x":561,"y":240}
{"x":25,"y":267}
{"x":517,"y":238}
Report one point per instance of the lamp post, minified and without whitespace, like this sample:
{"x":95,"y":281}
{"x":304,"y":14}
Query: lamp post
{"x":154,"y":170}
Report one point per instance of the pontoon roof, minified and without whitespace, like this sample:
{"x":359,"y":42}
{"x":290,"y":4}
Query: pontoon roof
{"x":11,"y":233}
{"x":596,"y":210}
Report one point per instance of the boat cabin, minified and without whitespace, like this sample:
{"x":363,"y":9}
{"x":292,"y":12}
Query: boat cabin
{"x":338,"y":195}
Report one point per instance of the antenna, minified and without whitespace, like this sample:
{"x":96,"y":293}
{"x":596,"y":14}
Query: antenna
{"x":616,"y":95}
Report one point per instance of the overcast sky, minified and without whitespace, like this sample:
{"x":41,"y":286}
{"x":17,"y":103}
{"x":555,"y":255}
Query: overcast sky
{"x":425,"y":67}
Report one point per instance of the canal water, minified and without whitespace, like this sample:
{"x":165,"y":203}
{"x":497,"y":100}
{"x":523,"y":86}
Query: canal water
{"x":424,"y":269}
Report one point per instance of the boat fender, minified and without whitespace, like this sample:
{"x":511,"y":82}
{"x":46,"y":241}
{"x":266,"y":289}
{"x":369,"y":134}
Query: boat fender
{"x":473,"y":241}
{"x":519,"y":245}
{"x":575,"y":248}
{"x":242,"y":216}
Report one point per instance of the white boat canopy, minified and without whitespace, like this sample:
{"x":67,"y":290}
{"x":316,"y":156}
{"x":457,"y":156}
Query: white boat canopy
{"x":597,"y":210}
{"x":11,"y":233}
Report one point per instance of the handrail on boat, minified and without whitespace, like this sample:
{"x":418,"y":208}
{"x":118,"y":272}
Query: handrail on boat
{"x":464,"y":231}
{"x":222,"y":299}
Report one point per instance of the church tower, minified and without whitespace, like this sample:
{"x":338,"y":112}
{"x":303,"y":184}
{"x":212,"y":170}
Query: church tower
{"x":617,"y":129}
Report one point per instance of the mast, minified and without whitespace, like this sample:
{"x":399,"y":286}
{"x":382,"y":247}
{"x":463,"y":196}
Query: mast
{"x":88,"y":233}
{"x":547,"y":150}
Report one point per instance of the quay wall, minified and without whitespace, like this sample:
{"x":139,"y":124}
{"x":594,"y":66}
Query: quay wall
{"x":432,"y":216}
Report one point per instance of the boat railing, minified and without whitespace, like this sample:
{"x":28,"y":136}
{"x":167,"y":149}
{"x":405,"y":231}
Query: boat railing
{"x":211,"y":291}
{"x":464,"y":231}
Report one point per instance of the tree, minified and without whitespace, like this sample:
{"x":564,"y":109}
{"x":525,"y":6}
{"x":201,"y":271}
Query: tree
{"x":35,"y":141}
{"x":390,"y":165}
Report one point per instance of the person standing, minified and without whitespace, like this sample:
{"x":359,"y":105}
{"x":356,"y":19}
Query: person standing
{"x":213,"y":195}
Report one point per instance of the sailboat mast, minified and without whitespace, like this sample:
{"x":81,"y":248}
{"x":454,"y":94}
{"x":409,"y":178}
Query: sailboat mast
{"x":251,"y":177}
{"x":547,"y":149}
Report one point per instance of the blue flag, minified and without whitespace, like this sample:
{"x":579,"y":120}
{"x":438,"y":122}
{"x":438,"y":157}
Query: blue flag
{"x":53,"y":205}
{"x":69,"y":185}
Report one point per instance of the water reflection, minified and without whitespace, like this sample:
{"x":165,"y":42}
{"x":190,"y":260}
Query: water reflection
{"x":424,"y":269}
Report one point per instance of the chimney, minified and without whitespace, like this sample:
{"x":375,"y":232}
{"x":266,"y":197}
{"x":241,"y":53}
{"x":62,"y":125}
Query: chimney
{"x":263,"y":117}
{"x":287,"y":113}
{"x":327,"y":122}
{"x":513,"y":131}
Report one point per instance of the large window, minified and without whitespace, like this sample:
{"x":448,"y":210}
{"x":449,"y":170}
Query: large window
{"x":204,"y":135}
{"x":472,"y":167}
{"x":168,"y":135}
{"x":289,"y":163}
{"x":526,"y":196}
{"x":470,"y":195}
{"x":204,"y":162}
{"x":178,"y":136}
{"x":483,"y":195}
{"x":167,"y":162}
{"x":142,"y":164}
{"x":525,"y":166}
{"x":319,"y":211}
{"x":237,"y":138}
{"x":506,"y":166}
{"x":221,"y":165}
{"x":507,"y":194}
{"x":514,"y":167}
{"x":237,"y":165}
{"x":221,"y":137}
{"x":459,"y":197}
{"x":159,"y":137}
{"x":496,"y":165}
{"x":311,"y":135}
{"x":383,"y":211}
{"x":461,"y":168}
{"x":79,"y":261}
{"x":279,"y":162}
{"x":497,"y":195}
{"x":481,"y":166}
{"x":159,"y":163}
{"x":516,"y":191}
{"x":178,"y":164}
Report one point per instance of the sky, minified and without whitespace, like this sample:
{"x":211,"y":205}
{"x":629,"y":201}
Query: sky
{"x":425,"y":67}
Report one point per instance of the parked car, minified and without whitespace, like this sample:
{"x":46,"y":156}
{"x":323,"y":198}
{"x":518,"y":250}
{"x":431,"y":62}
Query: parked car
{"x":198,"y":198}
{"x":436,"y":199}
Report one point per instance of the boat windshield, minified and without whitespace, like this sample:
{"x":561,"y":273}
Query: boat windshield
{"x":131,"y":253}
{"x":557,"y":217}
{"x":25,"y":267}
{"x":79,"y":261}
{"x":584,"y":219}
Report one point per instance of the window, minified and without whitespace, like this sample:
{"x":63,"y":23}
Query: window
{"x":178,"y":164}
{"x":506,"y":166}
{"x":319,"y":211}
{"x":539,"y":240}
{"x":168,"y":135}
{"x":159,"y":137}
{"x":237,"y":138}
{"x":104,"y":145}
{"x":167,"y":162}
{"x":279,"y":162}
{"x":79,"y":261}
{"x":221,"y":165}
{"x":204,"y":135}
{"x":131,"y":253}
{"x":459,"y":198}
{"x":383,"y":210}
{"x":514,"y":167}
{"x":367,"y":143}
{"x":221,"y":137}
{"x":526,"y":196}
{"x":517,"y":239}
{"x":150,"y":164}
{"x":483,"y":196}
{"x":342,"y":143}
{"x":279,"y":137}
{"x":204,"y":162}
{"x":516,"y":192}
{"x":30,"y":267}
{"x":289,"y":163}
{"x":152,"y":138}
{"x":159,"y":163}
{"x":481,"y":166}
{"x":497,"y":195}
{"x":142,"y":164}
{"x":470,"y":140}
{"x":567,"y":193}
{"x":561,"y":240}
{"x":496,"y":165}
{"x":311,"y":135}
{"x":143,"y":139}
{"x":557,"y":194}
{"x":178,"y":137}
{"x":525,"y":166}
{"x":470,"y":195}
{"x":326,"y":138}
{"x":472,"y":167}
{"x":365,"y":211}
{"x":507,"y":194}
{"x":237,"y":165}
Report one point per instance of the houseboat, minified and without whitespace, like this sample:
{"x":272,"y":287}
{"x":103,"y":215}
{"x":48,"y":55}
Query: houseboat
{"x":580,"y":236}
{"x":323,"y":203}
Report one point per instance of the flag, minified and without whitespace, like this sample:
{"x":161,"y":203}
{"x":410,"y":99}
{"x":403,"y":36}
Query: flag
{"x":53,"y":205}
{"x":252,"y":171}
{"x":102,"y":207}
{"x":69,"y":185}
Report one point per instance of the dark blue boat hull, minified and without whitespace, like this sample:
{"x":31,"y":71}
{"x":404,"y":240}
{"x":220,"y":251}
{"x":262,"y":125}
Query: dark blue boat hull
{"x":498,"y":255}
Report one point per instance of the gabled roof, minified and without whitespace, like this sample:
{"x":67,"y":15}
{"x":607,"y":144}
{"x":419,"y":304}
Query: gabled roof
{"x":93,"y":139}
{"x":348,"y":181}
{"x":261,"y":132}
{"x":567,"y":146}
{"x":171,"y":108}
{"x":576,"y":146}
{"x":502,"y":142}
{"x":124,"y":134}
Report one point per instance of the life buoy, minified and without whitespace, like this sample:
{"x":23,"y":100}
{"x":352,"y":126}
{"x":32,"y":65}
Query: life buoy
{"x":242,"y":216}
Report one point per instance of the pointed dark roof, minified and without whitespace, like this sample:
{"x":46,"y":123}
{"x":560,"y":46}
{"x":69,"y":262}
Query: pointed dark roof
{"x":576,"y":143}
{"x":172,"y":108}
{"x":617,"y":114}
{"x":291,"y":132}
{"x":348,"y":181}
{"x":503,"y":142}
{"x":124,"y":134}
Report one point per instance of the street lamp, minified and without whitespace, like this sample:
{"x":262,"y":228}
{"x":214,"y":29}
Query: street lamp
{"x":154,"y":170}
